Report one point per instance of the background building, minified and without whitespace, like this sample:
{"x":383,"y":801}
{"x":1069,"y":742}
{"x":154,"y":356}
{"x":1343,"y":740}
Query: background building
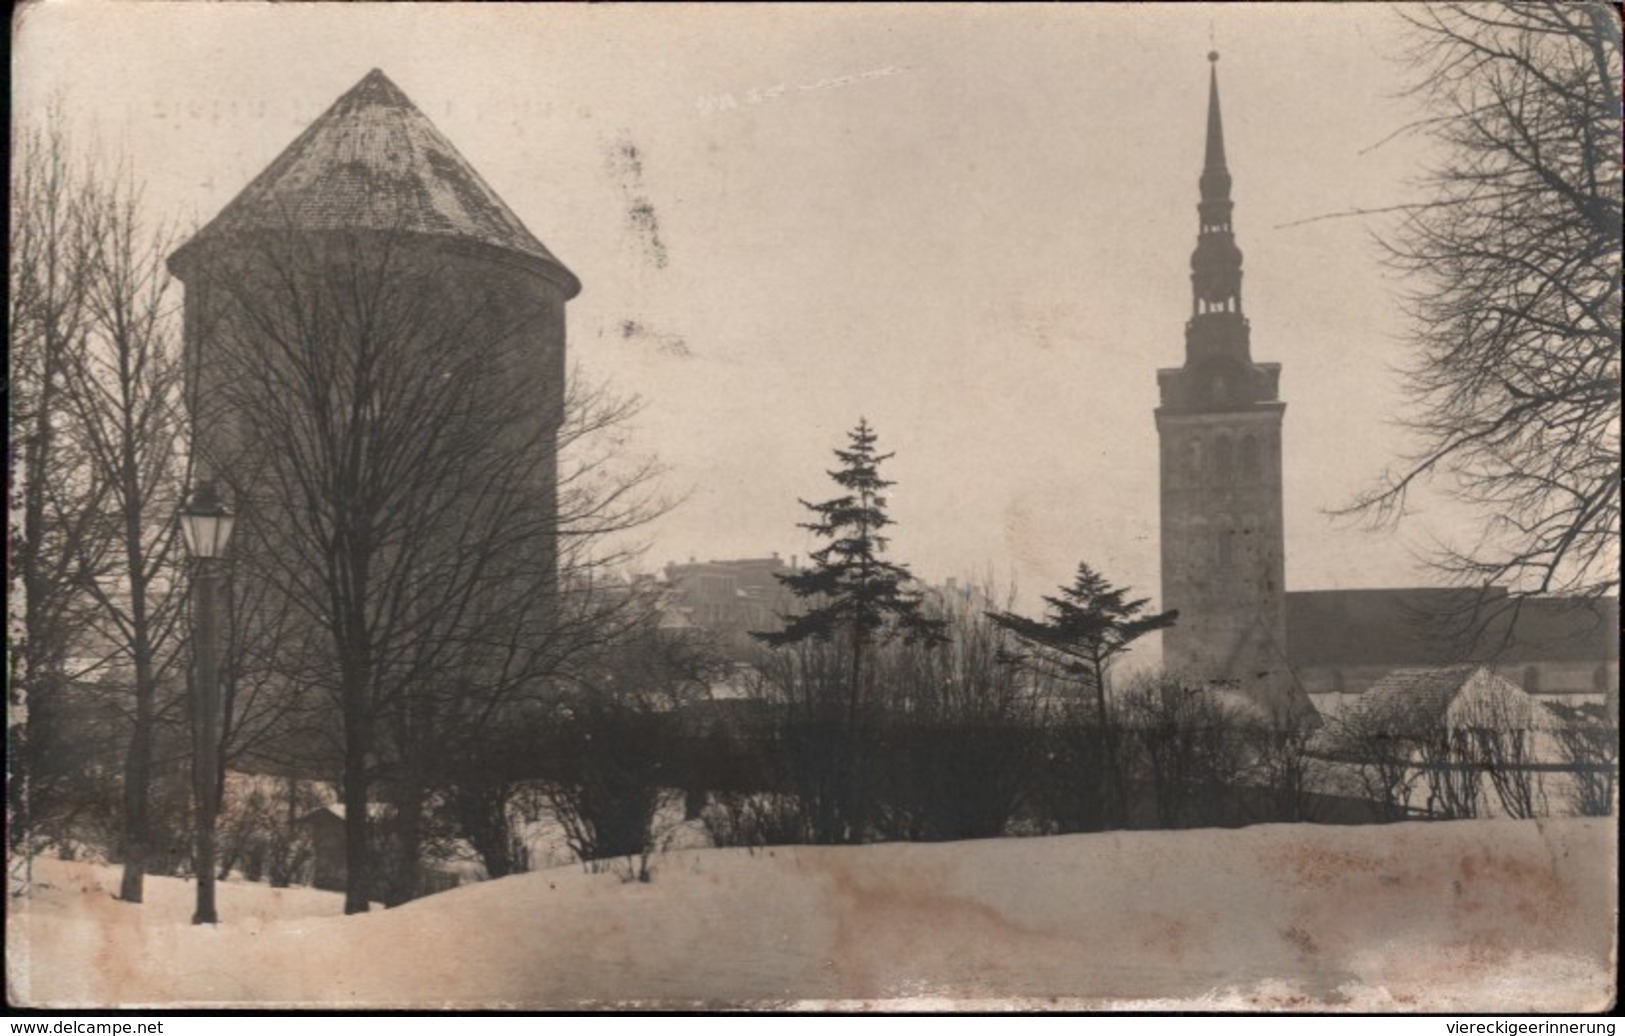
{"x":1559,"y":650}
{"x":732,"y":598}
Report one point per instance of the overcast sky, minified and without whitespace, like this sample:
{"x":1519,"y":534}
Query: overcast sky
{"x":970,"y":224}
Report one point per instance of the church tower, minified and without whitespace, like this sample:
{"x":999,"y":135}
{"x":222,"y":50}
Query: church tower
{"x":1219,"y":424}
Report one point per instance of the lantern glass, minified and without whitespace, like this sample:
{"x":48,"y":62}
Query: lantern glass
{"x":206,"y":523}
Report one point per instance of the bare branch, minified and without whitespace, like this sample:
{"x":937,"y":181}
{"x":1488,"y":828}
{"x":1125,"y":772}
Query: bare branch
{"x":1514,"y":260}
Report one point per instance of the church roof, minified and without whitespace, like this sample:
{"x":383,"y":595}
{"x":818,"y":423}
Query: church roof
{"x":1428,"y":626}
{"x":374,"y":161}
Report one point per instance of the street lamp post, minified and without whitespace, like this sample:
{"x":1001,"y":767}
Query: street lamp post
{"x":206,"y":524}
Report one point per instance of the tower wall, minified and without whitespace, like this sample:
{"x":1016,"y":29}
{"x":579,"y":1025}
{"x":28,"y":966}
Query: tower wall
{"x":503,"y":313}
{"x":376,"y":370}
{"x":1219,"y":426}
{"x":1223,"y":554}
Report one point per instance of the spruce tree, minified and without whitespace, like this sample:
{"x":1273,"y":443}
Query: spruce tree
{"x":852,"y":591}
{"x":1085,"y":627}
{"x":855,"y":600}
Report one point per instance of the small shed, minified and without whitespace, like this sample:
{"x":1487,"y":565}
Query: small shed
{"x":1463,"y":697}
{"x":1455,"y":742}
{"x":326,"y":827}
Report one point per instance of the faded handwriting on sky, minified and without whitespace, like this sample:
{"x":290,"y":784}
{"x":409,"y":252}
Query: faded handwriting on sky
{"x":711,"y":105}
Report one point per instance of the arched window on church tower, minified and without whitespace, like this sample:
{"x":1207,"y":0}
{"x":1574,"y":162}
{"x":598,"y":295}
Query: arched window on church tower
{"x":1249,"y":459}
{"x":1225,"y":460}
{"x":1196,"y":471}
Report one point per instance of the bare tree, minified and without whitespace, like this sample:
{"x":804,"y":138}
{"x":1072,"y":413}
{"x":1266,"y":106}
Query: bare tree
{"x":260,"y":831}
{"x":1500,"y":733}
{"x":616,"y":732}
{"x":956,"y":729}
{"x":483,"y":793}
{"x":1451,"y":774}
{"x":1514,"y":258}
{"x":52,"y":500}
{"x":122,"y":400}
{"x":492,"y":725}
{"x":1449,"y":746}
{"x":387,"y":427}
{"x":1187,"y":748}
{"x":1381,"y":758}
{"x":804,"y":687}
{"x":97,"y":375}
{"x":274,"y":717}
{"x":458,"y":737}
{"x":1415,"y":742}
{"x":1588,"y":740}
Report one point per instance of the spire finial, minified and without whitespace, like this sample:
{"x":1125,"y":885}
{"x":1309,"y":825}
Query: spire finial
{"x":1215,"y":125}
{"x":1216,"y":265}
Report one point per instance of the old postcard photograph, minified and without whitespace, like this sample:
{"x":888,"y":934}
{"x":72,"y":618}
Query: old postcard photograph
{"x":825,"y":507}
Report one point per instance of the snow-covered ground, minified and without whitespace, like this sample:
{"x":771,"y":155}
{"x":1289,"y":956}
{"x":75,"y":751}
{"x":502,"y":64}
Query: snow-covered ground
{"x":1474,"y":915}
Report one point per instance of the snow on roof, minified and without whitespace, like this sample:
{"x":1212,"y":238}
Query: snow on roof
{"x":374,"y":161}
{"x":375,"y":811}
{"x":1462,"y":695}
{"x":674,"y":619}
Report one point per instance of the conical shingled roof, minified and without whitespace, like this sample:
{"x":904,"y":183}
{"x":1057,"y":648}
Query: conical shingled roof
{"x":373,"y":161}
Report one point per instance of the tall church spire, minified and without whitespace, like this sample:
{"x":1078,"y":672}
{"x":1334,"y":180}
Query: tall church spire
{"x":1216,"y":263}
{"x":1219,"y":426}
{"x":1215,"y":177}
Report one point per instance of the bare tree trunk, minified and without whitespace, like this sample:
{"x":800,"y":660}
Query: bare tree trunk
{"x":137,"y":781}
{"x":1113,"y":787}
{"x":37,"y":663}
{"x":481,"y":803}
{"x":357,"y":849}
{"x":406,"y":845}
{"x":850,"y":790}
{"x":138,"y":761}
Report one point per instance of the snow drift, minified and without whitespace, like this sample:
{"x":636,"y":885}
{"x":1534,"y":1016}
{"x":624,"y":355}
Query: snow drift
{"x":1471,"y":915}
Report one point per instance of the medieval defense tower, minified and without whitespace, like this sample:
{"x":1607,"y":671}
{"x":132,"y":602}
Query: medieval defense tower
{"x":1219,"y":423}
{"x":371,"y":207}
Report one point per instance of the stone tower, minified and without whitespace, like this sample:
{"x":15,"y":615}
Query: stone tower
{"x":373,"y":183}
{"x":1219,"y":424}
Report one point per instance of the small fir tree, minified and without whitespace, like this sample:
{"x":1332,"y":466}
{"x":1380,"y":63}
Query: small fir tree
{"x":855,"y":601}
{"x":1085,"y":627}
{"x":852,"y":591}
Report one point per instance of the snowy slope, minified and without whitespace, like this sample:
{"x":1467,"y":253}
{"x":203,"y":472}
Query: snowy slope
{"x":1487,"y":915}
